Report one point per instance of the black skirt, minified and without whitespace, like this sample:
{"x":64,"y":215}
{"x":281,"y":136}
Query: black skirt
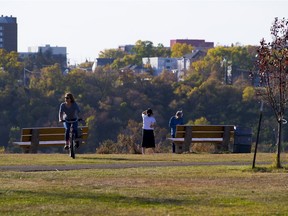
{"x":148,"y":140}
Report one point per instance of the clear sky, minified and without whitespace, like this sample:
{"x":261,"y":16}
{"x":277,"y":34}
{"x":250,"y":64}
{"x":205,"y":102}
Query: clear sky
{"x":87,"y":27}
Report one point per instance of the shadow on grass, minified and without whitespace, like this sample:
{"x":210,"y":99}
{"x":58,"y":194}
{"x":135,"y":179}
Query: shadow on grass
{"x":108,"y":158}
{"x":111,"y":198}
{"x":269,"y":169}
{"x":126,"y":159}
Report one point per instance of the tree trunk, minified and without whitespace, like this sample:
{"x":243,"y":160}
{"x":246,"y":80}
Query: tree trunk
{"x":279,"y":138}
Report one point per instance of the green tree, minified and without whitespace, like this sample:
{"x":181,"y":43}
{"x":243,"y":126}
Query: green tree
{"x":212,"y":65}
{"x":9,"y":63}
{"x":143,"y":49}
{"x":161,"y":51}
{"x":125,"y":61}
{"x":112,"y":53}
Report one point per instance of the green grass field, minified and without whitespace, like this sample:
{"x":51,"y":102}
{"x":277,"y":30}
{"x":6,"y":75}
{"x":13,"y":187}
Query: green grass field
{"x":172,"y":190}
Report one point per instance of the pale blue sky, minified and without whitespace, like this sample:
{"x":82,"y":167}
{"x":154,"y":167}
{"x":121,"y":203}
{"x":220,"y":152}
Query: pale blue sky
{"x":86,"y":27}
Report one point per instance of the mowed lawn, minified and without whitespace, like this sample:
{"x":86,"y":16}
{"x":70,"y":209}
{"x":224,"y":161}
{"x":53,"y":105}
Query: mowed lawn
{"x":199,"y":189}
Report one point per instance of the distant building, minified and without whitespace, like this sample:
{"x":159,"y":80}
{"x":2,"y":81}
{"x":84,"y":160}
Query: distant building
{"x":245,"y":75}
{"x":176,"y":65}
{"x":158,"y":64}
{"x":126,"y":48}
{"x":102,"y":62}
{"x":195,"y":55}
{"x":134,"y":68}
{"x":8,"y":33}
{"x":54,"y":51}
{"x":55,"y":54}
{"x":195,"y":43}
{"x":47,"y":48}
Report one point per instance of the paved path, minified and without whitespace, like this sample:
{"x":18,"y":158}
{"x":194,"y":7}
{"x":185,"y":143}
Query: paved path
{"x":38,"y":168}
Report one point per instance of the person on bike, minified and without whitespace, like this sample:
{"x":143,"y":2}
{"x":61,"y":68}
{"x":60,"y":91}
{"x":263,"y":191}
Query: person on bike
{"x":69,"y":111}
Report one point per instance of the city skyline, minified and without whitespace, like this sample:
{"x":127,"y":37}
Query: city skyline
{"x":88,"y":27}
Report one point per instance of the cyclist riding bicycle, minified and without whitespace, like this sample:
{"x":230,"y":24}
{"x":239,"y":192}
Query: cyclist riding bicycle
{"x":69,"y":111}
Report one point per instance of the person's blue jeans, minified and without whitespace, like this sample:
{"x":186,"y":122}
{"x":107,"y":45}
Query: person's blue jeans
{"x":67,"y":128}
{"x":173,"y":144}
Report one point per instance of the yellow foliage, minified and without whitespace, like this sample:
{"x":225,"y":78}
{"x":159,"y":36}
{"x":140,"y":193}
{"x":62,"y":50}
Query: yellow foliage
{"x":2,"y":150}
{"x":201,"y":121}
{"x":179,"y":50}
{"x":248,"y":93}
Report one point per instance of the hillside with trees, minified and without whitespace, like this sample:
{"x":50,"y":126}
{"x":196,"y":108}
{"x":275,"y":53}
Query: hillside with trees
{"x":112,"y":101}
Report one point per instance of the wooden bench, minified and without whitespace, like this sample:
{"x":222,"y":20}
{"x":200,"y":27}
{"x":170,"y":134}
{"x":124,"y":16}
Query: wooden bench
{"x":216,"y":134}
{"x":32,"y":138}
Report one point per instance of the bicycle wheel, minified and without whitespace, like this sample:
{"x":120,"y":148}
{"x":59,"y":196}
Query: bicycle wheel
{"x":72,"y":148}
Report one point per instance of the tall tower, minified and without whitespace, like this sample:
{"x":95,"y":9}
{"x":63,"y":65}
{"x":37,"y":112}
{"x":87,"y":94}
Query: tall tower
{"x":8,"y":33}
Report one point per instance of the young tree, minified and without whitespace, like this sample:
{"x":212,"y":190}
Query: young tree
{"x":273,"y":72}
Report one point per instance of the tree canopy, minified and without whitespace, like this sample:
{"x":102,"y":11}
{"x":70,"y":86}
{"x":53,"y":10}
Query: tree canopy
{"x":112,"y":101}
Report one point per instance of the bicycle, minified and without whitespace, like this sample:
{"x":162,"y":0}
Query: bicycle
{"x":72,"y":140}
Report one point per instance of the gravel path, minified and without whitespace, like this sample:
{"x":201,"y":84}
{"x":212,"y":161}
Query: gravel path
{"x":38,"y":168}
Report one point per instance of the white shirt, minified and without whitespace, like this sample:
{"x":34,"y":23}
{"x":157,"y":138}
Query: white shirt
{"x":148,"y":121}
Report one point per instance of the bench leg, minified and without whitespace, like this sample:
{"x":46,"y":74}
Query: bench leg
{"x":179,"y":148}
{"x":187,"y":139}
{"x":26,"y":150}
{"x":34,"y":141}
{"x":226,"y":139}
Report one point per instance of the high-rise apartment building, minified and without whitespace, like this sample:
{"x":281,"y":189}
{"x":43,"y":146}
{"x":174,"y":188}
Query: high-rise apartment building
{"x":8,"y":33}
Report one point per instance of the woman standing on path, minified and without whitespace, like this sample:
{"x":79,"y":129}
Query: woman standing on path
{"x":148,"y":139}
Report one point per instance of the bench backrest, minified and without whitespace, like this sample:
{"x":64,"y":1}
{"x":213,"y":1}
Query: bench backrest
{"x":204,"y":131}
{"x":49,"y":133}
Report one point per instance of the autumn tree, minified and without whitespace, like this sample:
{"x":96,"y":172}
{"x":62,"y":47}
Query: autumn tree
{"x":273,"y":72}
{"x":112,"y":53}
{"x":179,"y":50}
